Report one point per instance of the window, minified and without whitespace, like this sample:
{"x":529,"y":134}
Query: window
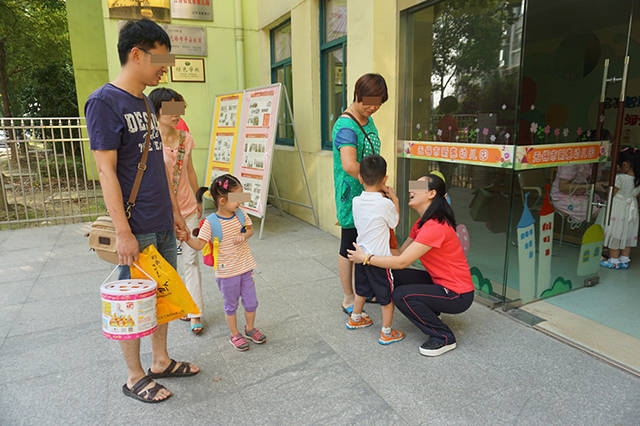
{"x":281,"y":73}
{"x":462,"y":65}
{"x":333,"y":63}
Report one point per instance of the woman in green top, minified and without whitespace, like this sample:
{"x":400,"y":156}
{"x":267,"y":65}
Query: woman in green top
{"x":354,"y":137}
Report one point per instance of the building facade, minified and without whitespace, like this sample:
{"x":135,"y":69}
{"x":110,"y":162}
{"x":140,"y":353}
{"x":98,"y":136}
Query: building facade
{"x":505,"y":97}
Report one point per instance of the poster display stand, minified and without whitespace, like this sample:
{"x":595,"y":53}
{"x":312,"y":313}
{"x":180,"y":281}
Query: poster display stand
{"x":224,"y":135}
{"x":243,"y":135}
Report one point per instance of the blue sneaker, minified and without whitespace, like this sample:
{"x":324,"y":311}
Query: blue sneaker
{"x":607,"y":264}
{"x":623,"y":265}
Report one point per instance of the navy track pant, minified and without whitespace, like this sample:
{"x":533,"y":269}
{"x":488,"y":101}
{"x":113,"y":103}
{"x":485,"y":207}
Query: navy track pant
{"x":421,"y":301}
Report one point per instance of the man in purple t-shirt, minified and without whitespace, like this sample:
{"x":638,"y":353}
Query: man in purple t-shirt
{"x":117,"y":122}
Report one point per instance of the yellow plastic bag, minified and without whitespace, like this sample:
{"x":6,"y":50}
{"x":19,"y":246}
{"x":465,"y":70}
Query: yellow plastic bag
{"x":174,"y":300}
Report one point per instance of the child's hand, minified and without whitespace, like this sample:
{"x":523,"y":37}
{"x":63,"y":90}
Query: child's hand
{"x":182,"y":235}
{"x":390,"y":193}
{"x":239,"y":239}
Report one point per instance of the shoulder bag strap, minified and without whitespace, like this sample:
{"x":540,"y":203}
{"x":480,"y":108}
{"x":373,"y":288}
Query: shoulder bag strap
{"x":177,"y":169}
{"x":142,"y":165}
{"x":348,"y":114}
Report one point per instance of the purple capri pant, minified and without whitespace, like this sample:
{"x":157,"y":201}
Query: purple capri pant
{"x":233,"y":288}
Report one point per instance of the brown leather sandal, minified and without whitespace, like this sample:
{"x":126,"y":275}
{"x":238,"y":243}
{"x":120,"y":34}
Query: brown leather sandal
{"x":137,"y":392}
{"x":183,"y":370}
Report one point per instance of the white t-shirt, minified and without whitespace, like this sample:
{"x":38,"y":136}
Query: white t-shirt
{"x":373,"y":215}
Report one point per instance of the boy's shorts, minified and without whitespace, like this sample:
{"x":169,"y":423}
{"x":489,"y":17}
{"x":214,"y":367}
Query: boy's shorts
{"x":373,"y":281}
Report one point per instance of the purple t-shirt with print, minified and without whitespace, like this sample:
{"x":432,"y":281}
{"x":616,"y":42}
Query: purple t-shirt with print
{"x":117,"y":120}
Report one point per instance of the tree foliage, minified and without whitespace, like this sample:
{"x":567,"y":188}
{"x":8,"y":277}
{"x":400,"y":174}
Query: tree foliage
{"x":467,"y":38}
{"x":36,"y":75}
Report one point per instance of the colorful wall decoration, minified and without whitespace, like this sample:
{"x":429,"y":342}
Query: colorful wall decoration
{"x":590,"y":250}
{"x":526,"y":253}
{"x":480,"y":282}
{"x":560,"y":285}
{"x":463,"y":236}
{"x":545,"y":242}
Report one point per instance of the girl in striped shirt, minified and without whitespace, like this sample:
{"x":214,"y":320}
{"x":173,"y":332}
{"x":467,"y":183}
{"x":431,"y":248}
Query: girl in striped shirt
{"x":235,"y":264}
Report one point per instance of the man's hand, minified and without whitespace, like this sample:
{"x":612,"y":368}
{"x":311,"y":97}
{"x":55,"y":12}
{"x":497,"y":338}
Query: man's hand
{"x":182,"y":232}
{"x":128,"y":248}
{"x":181,"y":235}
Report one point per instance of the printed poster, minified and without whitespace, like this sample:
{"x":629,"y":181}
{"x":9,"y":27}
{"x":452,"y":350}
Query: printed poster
{"x":222,"y":147}
{"x":224,"y":135}
{"x":256,"y":142}
{"x":242,"y":141}
{"x":255,"y":148}
{"x":259,"y":112}
{"x":228,"y":111}
{"x":253,"y":185}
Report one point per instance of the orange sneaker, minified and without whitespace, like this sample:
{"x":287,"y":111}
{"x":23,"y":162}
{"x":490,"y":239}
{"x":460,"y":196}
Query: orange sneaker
{"x":364,"y":322}
{"x":394,"y":336}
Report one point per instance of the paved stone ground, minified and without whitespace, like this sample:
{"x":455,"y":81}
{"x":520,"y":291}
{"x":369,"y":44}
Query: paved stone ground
{"x":56,"y":368}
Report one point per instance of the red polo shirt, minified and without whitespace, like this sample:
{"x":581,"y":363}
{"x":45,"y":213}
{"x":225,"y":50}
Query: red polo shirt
{"x":445,"y":262}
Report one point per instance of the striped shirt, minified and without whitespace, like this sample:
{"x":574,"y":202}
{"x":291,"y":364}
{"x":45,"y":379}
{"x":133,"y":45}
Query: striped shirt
{"x":233,"y":259}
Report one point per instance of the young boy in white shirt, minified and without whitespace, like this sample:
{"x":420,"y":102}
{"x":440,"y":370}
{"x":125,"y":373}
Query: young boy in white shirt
{"x":375,"y":212}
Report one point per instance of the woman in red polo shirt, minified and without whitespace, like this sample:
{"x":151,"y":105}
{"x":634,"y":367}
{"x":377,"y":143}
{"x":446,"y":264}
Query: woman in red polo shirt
{"x":446,"y":286}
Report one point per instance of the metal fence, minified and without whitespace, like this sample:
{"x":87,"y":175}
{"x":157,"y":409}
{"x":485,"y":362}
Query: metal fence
{"x":47,"y":173}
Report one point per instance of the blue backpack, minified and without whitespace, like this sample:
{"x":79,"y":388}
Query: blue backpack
{"x":210,"y":250}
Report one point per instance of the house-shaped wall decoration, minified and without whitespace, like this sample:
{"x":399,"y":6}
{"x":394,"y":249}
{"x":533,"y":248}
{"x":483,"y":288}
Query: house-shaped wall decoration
{"x":526,"y":253}
{"x":590,"y":251}
{"x":545,"y":243}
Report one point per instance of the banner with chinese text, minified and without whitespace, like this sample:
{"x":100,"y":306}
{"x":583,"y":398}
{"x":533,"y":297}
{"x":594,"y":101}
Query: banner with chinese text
{"x":467,"y":153}
{"x":542,"y":156}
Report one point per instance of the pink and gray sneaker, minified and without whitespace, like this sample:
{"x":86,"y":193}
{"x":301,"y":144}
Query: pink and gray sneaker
{"x":239,"y":342}
{"x":255,"y":336}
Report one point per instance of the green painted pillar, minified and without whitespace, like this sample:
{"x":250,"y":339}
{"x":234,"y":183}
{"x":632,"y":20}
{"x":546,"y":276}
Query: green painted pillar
{"x":89,"y":56}
{"x":88,"y":49}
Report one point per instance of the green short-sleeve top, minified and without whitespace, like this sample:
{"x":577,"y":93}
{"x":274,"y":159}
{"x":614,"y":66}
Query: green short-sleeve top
{"x":346,"y":132}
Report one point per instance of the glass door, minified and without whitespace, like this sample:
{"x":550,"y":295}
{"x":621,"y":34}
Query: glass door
{"x":459,"y":73}
{"x":572,"y":68}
